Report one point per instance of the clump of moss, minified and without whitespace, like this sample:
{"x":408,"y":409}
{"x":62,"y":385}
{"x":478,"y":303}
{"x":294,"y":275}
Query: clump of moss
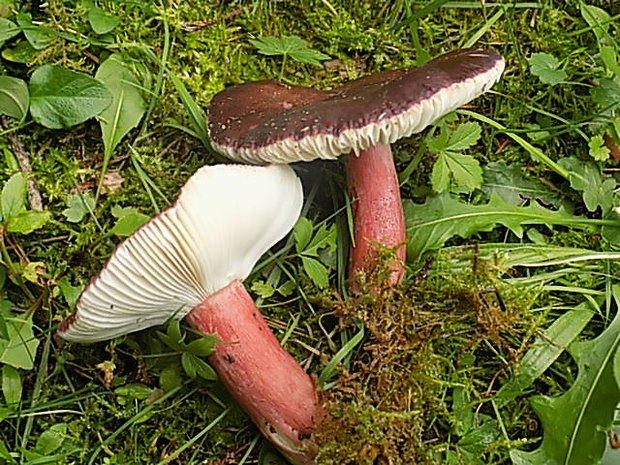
{"x":394,"y":404}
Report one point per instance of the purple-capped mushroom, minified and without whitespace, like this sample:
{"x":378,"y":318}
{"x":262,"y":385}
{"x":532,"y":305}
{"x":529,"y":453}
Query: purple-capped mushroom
{"x":190,"y":261}
{"x":272,"y":122}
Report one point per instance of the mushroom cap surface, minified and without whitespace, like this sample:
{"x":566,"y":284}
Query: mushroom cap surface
{"x":224,"y":219}
{"x":272,"y":122}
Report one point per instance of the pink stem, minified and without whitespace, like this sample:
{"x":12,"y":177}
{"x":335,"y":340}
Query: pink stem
{"x":266,"y":381}
{"x":378,"y":218}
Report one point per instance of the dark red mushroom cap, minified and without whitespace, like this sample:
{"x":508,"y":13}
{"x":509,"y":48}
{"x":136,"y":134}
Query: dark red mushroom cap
{"x":271,"y":122}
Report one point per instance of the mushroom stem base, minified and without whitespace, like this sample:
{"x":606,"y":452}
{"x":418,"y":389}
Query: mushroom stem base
{"x":378,"y":218}
{"x":265,"y":380}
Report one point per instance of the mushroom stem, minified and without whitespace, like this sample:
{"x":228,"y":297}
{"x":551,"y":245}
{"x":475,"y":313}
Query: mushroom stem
{"x":265,"y":380}
{"x":378,"y":218}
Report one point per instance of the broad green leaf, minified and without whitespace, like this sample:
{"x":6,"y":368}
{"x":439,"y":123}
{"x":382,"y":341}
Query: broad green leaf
{"x":586,"y":178}
{"x":597,"y":18}
{"x":13,"y":197}
{"x":597,"y":148}
{"x":38,"y":37}
{"x":316,"y":271}
{"x":11,"y":385}
{"x":61,"y":98}
{"x":127,"y":224}
{"x":442,"y":217}
{"x":101,"y":22}
{"x":52,"y":439}
{"x":8,"y":30}
{"x":19,"y":350}
{"x":575,"y":424}
{"x":28,"y":221}
{"x":127,"y":107}
{"x":545,"y":66}
{"x":78,"y":205}
{"x":510,"y":184}
{"x":544,"y":351}
{"x":292,"y":46}
{"x":14,"y":97}
{"x":22,"y":52}
{"x":302,"y":233}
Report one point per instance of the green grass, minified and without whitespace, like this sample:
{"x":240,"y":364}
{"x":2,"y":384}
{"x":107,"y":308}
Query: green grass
{"x":410,"y":375}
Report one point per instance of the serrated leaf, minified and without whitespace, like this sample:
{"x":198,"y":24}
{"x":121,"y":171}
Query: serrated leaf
{"x":302,"y":233}
{"x":324,"y":238}
{"x":11,"y":385}
{"x":465,"y":170}
{"x":78,"y":205}
{"x":464,"y":136}
{"x":13,"y":197}
{"x":440,"y":176}
{"x":27,"y":222}
{"x":38,"y":37}
{"x":545,"y":66}
{"x":19,"y":350}
{"x":586,"y":177}
{"x":101,"y":22}
{"x":442,"y":217}
{"x":8,"y":30}
{"x":316,"y":271}
{"x":263,"y":289}
{"x":292,"y":46}
{"x":61,"y":98}
{"x":127,"y":107}
{"x":194,"y":366}
{"x":597,"y":148}
{"x":575,"y":424}
{"x":510,"y":184}
{"x":14,"y":97}
{"x":544,"y":351}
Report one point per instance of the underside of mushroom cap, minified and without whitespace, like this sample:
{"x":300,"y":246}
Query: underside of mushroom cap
{"x":225,"y":218}
{"x":271,"y":122}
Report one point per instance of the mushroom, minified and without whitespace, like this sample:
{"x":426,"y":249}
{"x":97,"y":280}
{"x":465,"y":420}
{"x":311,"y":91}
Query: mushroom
{"x":272,"y":122}
{"x":190,"y":261}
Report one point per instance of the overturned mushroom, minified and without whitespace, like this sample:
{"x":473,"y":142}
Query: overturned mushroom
{"x":271,"y":122}
{"x":190,"y":261}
